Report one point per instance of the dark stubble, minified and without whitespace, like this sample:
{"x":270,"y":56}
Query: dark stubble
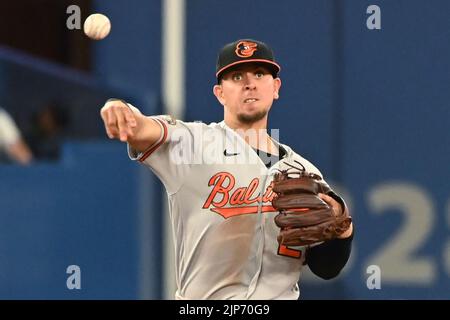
{"x":251,"y":118}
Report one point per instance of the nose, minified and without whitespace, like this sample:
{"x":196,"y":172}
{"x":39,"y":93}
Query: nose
{"x":249,"y":82}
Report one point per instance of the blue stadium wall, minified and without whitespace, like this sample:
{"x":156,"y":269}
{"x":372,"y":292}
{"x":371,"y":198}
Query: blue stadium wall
{"x":368,"y":107}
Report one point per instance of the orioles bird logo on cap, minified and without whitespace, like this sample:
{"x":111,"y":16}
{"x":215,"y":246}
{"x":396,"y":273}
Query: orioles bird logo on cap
{"x":245,"y":49}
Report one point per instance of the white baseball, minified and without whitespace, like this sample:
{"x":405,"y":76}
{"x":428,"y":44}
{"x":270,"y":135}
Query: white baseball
{"x":97,"y":26}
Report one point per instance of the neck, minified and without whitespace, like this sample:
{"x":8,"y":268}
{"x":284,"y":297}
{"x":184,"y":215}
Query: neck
{"x":255,"y":134}
{"x":235,"y":124}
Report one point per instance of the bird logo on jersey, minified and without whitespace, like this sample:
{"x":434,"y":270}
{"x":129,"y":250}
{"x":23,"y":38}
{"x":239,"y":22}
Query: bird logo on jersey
{"x":245,"y":49}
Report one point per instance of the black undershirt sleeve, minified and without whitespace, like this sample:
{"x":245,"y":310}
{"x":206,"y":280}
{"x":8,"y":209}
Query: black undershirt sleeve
{"x":329,"y":258}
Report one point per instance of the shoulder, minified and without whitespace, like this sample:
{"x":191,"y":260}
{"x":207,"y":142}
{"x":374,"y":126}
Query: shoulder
{"x":171,"y":120}
{"x":176,"y":129}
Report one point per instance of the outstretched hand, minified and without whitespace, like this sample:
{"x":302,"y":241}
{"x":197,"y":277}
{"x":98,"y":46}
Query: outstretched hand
{"x":119,"y":120}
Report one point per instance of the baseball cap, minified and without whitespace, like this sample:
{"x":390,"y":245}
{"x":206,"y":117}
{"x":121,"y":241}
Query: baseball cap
{"x":245,"y":51}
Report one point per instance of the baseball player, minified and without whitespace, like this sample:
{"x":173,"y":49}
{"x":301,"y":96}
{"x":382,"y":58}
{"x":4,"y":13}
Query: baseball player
{"x":218,"y":181}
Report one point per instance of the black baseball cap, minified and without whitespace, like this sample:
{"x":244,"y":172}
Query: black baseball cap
{"x":245,"y":51}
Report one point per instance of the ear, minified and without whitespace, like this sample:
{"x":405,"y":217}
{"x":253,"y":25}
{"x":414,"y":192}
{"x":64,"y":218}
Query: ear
{"x":276,"y":88}
{"x":218,"y":92}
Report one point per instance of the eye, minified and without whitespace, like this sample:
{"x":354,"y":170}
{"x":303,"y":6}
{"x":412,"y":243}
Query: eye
{"x":259,"y":74}
{"x":237,"y":77}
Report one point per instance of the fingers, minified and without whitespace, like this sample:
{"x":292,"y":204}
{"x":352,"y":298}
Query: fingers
{"x":326,"y":198}
{"x":110,"y":121}
{"x":124,"y":129}
{"x":333,"y":203}
{"x":119,"y":120}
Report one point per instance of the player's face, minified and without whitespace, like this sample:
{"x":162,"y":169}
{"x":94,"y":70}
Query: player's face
{"x":247,"y":93}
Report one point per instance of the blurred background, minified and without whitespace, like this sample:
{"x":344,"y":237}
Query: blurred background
{"x":370,"y":107}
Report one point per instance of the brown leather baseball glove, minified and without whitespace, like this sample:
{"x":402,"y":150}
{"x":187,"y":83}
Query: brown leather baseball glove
{"x":304,"y":218}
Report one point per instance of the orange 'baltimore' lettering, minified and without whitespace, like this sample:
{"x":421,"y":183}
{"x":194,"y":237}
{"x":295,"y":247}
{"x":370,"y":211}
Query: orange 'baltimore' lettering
{"x":223,"y":183}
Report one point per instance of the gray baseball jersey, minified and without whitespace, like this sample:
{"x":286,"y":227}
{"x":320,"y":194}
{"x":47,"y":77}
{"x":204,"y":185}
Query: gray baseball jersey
{"x":219,"y":197}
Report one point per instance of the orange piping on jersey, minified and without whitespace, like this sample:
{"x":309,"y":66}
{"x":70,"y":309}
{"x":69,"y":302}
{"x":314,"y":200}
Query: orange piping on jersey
{"x":152,"y":149}
{"x":237,"y":211}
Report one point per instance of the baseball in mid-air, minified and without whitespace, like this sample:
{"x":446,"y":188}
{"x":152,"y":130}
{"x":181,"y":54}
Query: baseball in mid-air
{"x":97,"y":26}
